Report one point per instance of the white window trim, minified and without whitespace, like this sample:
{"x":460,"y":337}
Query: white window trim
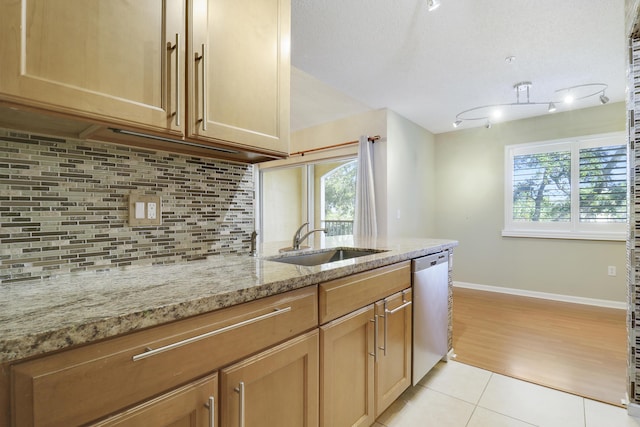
{"x":561,"y":230}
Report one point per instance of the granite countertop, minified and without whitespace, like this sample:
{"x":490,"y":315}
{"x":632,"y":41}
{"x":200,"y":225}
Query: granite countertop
{"x":59,"y":312}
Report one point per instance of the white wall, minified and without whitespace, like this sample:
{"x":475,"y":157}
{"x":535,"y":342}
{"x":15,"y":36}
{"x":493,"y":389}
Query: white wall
{"x":408,"y":204}
{"x":283,"y":213}
{"x":470,"y":200}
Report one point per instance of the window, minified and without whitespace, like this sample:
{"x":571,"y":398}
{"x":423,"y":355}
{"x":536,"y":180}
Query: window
{"x":338,"y":199}
{"x":567,"y":189}
{"x":321,"y":193}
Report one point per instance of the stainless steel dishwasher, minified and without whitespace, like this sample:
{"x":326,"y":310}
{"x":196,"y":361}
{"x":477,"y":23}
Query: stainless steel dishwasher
{"x":430,"y":278}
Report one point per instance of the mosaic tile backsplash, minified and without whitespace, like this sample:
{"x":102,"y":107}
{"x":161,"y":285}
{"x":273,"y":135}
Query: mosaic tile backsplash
{"x":64,"y":206}
{"x":633,"y":241}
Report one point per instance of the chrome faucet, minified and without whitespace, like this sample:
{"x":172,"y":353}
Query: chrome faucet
{"x":297,"y":238}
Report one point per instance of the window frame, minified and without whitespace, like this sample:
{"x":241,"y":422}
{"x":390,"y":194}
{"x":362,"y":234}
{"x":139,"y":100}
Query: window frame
{"x":574,"y":228}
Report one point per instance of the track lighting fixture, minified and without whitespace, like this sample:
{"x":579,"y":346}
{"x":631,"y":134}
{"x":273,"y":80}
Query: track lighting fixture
{"x":433,"y":5}
{"x":522,"y":90}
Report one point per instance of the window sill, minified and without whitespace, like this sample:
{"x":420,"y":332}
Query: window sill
{"x":548,"y":234}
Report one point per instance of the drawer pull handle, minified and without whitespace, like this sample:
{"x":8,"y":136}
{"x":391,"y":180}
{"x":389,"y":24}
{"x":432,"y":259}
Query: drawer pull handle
{"x":149,"y":353}
{"x":240,"y":391}
{"x":212,"y":411}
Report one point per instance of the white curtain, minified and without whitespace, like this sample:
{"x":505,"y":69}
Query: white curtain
{"x":365,"y":216}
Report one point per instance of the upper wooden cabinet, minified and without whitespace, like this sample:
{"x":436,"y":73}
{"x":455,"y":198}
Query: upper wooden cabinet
{"x":127,"y":64}
{"x":98,"y":59}
{"x":239,"y":68}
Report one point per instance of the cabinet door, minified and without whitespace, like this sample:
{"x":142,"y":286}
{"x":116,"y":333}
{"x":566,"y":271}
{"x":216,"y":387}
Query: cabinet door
{"x":347,"y":363}
{"x":239,"y":71}
{"x":108,"y":60}
{"x":276,"y":388}
{"x":393,"y":367}
{"x":193,"y":405}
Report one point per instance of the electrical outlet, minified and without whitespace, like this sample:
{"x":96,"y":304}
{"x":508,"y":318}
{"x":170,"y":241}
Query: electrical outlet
{"x":611,"y":270}
{"x":151,"y":210}
{"x":144,"y":210}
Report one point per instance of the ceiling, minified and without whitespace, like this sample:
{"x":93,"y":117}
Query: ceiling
{"x":351,"y":56}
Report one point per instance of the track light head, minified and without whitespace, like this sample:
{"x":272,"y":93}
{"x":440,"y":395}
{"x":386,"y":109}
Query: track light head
{"x":604,"y":99}
{"x":457,"y":123}
{"x":552,"y":107}
{"x":488,"y":124}
{"x":433,"y":5}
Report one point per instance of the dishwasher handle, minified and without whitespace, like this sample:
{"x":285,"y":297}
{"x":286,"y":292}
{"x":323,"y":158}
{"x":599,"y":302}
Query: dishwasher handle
{"x":429,"y":261}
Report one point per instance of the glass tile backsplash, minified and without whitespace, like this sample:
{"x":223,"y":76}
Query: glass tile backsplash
{"x":64,"y":206}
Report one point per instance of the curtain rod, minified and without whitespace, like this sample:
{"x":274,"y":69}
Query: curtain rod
{"x":343,"y":144}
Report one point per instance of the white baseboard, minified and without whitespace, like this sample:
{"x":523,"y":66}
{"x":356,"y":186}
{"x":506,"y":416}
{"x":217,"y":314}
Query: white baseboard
{"x":544,"y":295}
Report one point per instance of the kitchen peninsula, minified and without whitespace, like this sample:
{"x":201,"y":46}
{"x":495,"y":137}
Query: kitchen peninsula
{"x":104,"y":308}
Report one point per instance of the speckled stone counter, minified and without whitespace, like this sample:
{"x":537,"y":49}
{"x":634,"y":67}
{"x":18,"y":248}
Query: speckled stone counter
{"x":47,"y":315}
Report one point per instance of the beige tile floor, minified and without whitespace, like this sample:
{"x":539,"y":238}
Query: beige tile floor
{"x":458,"y":395}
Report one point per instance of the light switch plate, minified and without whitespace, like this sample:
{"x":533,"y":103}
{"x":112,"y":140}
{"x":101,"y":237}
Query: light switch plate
{"x":144,"y":210}
{"x":139,"y":210}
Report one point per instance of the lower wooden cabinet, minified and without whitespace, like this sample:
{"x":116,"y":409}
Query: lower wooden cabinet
{"x":125,"y":371}
{"x":393,"y":365}
{"x":276,"y":388}
{"x":194,"y":405}
{"x":347,"y":366}
{"x":365,"y":361}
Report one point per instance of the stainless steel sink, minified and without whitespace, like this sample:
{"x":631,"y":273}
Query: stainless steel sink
{"x":324,"y":256}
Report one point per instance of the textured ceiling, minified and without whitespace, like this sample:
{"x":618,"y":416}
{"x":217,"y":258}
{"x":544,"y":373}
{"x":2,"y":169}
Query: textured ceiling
{"x":429,"y":66}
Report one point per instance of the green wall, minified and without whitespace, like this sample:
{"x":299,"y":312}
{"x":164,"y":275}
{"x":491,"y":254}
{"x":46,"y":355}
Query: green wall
{"x":470,"y":209}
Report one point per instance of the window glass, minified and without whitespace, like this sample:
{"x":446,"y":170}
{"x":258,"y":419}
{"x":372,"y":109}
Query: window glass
{"x":542,"y":187}
{"x":567,"y":189}
{"x":603,"y":184}
{"x":321,"y":193}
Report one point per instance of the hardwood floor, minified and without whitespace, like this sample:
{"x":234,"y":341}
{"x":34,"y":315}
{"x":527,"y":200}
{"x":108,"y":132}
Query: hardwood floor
{"x":575,"y":348}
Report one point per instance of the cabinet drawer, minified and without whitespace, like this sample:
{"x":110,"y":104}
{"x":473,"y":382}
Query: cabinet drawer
{"x":341,"y":296}
{"x":83,"y":384}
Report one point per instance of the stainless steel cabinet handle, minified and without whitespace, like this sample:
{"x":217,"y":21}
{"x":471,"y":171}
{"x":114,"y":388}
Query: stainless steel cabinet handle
{"x":387,"y":313}
{"x":375,"y":338}
{"x":203,"y":58}
{"x":240,"y":390}
{"x":386,"y":328}
{"x":397,"y":309}
{"x":152,"y":352}
{"x":178,"y":102}
{"x":212,"y":411}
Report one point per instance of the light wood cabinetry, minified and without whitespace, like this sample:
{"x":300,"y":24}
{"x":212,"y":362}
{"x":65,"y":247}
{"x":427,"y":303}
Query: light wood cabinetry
{"x":98,"y":59}
{"x":239,"y":68}
{"x":347,"y":366}
{"x":278,"y":387}
{"x":341,"y":296}
{"x":123,"y":371}
{"x":365,"y":354}
{"x":194,"y":405}
{"x":192,"y":76}
{"x":393,"y":362}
